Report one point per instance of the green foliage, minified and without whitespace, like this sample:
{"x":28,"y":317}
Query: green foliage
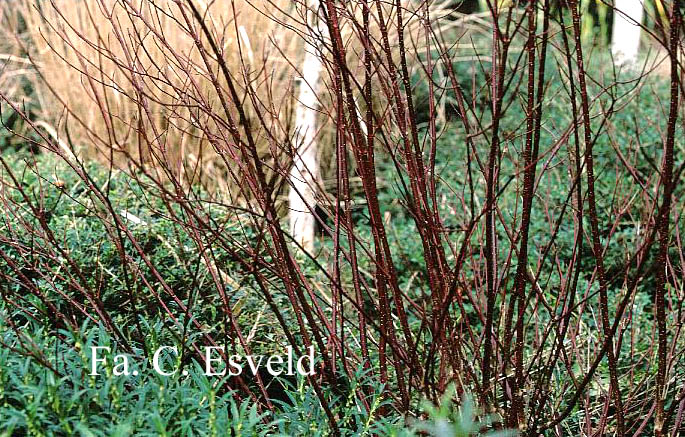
{"x":69,"y":401}
{"x":79,"y":221}
{"x":451,"y":420}
{"x":53,"y":393}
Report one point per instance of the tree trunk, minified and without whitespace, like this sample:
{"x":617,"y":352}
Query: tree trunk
{"x":625,"y":40}
{"x":304,"y":173}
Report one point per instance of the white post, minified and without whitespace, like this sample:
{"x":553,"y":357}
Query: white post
{"x":625,"y":40}
{"x":305,"y":170}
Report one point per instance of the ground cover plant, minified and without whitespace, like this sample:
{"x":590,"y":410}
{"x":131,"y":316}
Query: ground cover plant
{"x":498,"y":209}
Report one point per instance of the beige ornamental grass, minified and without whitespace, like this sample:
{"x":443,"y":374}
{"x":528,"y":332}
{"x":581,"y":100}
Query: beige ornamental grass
{"x":123,"y":81}
{"x":128,"y":81}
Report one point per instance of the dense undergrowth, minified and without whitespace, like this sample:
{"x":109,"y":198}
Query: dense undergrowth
{"x":45,"y":382}
{"x":59,"y":396}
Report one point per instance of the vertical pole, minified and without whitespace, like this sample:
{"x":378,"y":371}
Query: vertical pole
{"x":625,"y":40}
{"x":305,"y":170}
